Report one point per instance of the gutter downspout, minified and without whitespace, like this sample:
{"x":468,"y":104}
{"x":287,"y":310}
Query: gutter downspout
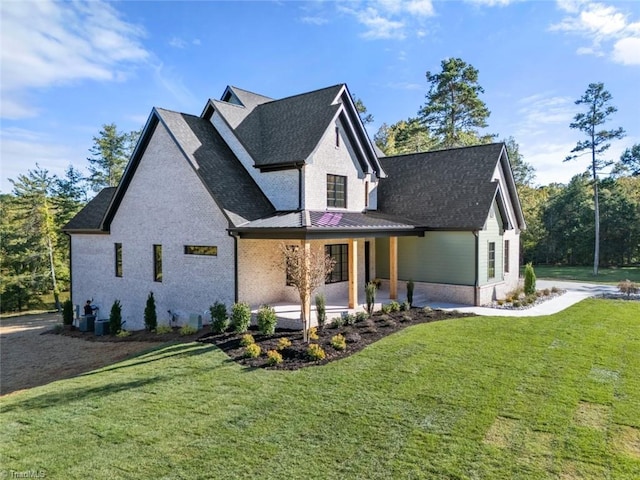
{"x":476,"y":287}
{"x":300,"y":167}
{"x":70,"y":267}
{"x":235,"y":266}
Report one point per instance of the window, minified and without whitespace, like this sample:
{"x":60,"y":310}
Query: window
{"x":201,"y":250}
{"x":336,"y":191}
{"x":366,"y":194}
{"x":157,"y":263}
{"x":118,"y":251}
{"x":506,"y":256}
{"x":340,"y":253}
{"x":491,"y":263}
{"x":337,"y":137}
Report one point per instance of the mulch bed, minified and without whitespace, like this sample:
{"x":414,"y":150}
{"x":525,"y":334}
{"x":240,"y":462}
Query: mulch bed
{"x":135,"y":336}
{"x":358,"y":336}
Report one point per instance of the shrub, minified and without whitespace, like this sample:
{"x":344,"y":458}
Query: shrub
{"x":321,"y":310}
{"x":394,"y":306}
{"x":361,"y":316}
{"x":500,"y":302}
{"x":273,"y":357}
{"x":516,"y":303}
{"x":67,"y":312}
{"x":348,"y":318}
{"x":315,"y":352}
{"x":58,"y":328}
{"x":370,"y":293}
{"x":123,"y":334}
{"x":313,"y":333}
{"x":339,"y":342}
{"x":115,"y":317}
{"x":252,"y":351}
{"x":628,"y":288}
{"x":240,"y":317}
{"x":150,"y":316}
{"x":336,"y":322}
{"x":405,"y":306}
{"x":219,"y":318}
{"x":555,"y":289}
{"x":529,"y":279}
{"x":546,"y":292}
{"x":283,"y":343}
{"x":187,"y":330}
{"x":163,"y":329}
{"x":410,"y":287}
{"x":246,"y":340}
{"x":386,"y":308}
{"x":267,"y":320}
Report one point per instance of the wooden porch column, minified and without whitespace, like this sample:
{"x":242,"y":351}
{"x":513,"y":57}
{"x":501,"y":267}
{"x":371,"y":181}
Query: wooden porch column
{"x":393,"y":268}
{"x":353,"y":272}
{"x":306,"y":246}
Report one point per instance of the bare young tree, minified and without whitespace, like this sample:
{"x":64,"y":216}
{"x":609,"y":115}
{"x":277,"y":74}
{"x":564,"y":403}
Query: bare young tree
{"x":307,"y":269}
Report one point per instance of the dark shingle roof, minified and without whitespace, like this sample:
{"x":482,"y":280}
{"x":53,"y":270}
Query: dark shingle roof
{"x":444,"y":189}
{"x":231,"y":186}
{"x":91,"y":216}
{"x":286,"y":131}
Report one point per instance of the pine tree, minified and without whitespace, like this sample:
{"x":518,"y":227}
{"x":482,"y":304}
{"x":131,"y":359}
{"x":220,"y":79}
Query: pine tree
{"x":110,"y":154}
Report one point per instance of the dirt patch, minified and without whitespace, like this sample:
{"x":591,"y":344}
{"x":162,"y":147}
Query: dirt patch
{"x":502,"y":432}
{"x":357,"y":335}
{"x":31,"y":356}
{"x":593,"y":415}
{"x":627,"y":440}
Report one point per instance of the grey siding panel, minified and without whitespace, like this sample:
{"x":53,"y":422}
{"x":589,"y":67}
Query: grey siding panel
{"x":439,"y":257}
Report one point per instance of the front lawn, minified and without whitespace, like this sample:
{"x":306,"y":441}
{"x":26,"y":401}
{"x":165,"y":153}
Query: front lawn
{"x":611,"y":275}
{"x":478,"y":397}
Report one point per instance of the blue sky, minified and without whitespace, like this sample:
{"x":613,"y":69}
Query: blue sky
{"x":70,"y":67}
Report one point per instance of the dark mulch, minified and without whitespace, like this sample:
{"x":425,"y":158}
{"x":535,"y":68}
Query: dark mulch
{"x":135,"y":336}
{"x":358,"y":336}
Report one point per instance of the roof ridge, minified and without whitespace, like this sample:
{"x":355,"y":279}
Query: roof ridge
{"x":481,"y":145}
{"x":249,"y":91}
{"x":310,"y":92}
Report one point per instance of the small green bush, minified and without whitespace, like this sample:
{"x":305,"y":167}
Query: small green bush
{"x":405,"y":306}
{"x":187,"y":330}
{"x":361,"y":317}
{"x":546,"y":292}
{"x":267,"y":320}
{"x":219,"y":318}
{"x":163,"y":329}
{"x":529,"y":279}
{"x":370,"y":293}
{"x":336,"y":322}
{"x":123,"y":334}
{"x":150,"y":316}
{"x":115,"y":318}
{"x":67,"y":312}
{"x":247,"y":339}
{"x":273,"y":357}
{"x":386,"y":308}
{"x":321,"y":310}
{"x":349,"y":318}
{"x":339,"y":342}
{"x":252,"y":351}
{"x":516,"y":303}
{"x":283,"y":343}
{"x":500,"y":302}
{"x":394,"y":306}
{"x":315,"y":352}
{"x":240,"y":317}
{"x":410,"y":287}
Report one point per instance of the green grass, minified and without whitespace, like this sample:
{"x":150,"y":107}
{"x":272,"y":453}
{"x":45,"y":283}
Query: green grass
{"x":544,"y":397}
{"x":611,"y":275}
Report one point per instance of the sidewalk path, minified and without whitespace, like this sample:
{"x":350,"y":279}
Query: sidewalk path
{"x":575,"y":292}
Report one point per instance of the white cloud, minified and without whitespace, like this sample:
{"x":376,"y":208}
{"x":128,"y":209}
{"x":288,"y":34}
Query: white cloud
{"x":47,"y":43}
{"x":627,"y":51}
{"x":177,"y":42}
{"x":389,"y":19}
{"x":492,"y":3}
{"x":606,"y":27}
{"x":539,"y":112}
{"x":315,"y":20}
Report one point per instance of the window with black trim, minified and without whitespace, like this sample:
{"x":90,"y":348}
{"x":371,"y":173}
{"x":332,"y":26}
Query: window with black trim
{"x":491,"y":261}
{"x":118,"y":256}
{"x":157,"y":263}
{"x":506,"y":256}
{"x":337,"y":137}
{"x":340,"y":254}
{"x":201,"y":250}
{"x":336,"y":191}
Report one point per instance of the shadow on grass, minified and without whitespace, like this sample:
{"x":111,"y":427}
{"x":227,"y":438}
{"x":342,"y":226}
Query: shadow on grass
{"x":156,"y":354}
{"x":61,"y":396}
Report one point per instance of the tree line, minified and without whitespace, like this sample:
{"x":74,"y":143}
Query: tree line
{"x":34,"y":253}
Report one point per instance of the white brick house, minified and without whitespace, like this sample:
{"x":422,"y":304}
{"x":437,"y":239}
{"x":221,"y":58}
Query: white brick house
{"x":206,"y":201}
